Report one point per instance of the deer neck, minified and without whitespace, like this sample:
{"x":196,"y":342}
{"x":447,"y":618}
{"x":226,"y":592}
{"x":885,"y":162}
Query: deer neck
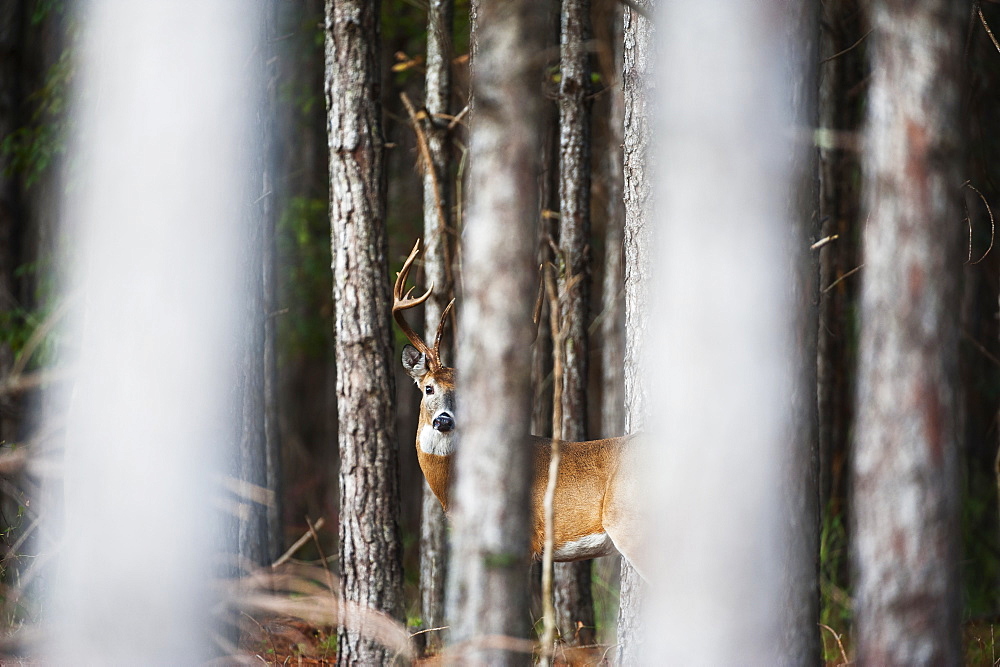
{"x":434,"y":453}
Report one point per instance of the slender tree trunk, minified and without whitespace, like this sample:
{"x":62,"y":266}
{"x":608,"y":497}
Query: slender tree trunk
{"x":612,"y":334}
{"x":370,"y":549}
{"x":272,"y":431}
{"x":638,"y":32}
{"x":573,"y":599}
{"x":254,"y":537}
{"x":800,"y":637}
{"x":487,"y":593}
{"x":438,"y":243}
{"x":906,"y":484}
{"x":613,"y":311}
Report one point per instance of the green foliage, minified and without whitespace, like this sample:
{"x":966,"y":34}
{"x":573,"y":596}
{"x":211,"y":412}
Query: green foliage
{"x":303,"y":239}
{"x":835,"y":599}
{"x":327,"y":647}
{"x":43,"y":8}
{"x":30,"y":150}
{"x":980,"y":562}
{"x":606,"y":596}
{"x":18,"y":324}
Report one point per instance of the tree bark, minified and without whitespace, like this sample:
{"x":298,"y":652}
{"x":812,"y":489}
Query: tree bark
{"x":573,"y":599}
{"x":906,"y":484}
{"x":370,"y":549}
{"x":487,"y":592}
{"x":612,"y":330}
{"x":253,"y":455}
{"x":638,"y":32}
{"x":272,"y":430}
{"x":438,"y":235}
{"x":613,"y":311}
{"x":800,"y":640}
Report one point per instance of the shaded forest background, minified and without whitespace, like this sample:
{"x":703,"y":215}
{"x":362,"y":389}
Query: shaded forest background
{"x":36,"y":69}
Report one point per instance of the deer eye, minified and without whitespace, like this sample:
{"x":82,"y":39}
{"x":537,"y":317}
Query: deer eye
{"x":429,"y":389}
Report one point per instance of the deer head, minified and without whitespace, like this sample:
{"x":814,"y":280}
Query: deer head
{"x":436,"y":427}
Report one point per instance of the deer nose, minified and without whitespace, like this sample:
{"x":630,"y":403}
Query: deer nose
{"x":443,"y":423}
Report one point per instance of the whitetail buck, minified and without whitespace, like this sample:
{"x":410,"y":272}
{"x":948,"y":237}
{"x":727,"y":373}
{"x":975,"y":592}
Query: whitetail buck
{"x":595,"y":495}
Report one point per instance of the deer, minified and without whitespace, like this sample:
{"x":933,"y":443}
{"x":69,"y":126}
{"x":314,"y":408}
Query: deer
{"x":596,"y":489}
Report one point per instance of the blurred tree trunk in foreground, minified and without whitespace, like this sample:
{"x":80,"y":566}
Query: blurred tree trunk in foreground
{"x":439,"y":233}
{"x":370,"y":548}
{"x":906,"y":482}
{"x":801,"y":643}
{"x":487,"y":591}
{"x":638,"y":33}
{"x":574,"y":603}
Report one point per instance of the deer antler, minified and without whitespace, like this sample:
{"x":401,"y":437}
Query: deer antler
{"x":440,"y":332}
{"x":403,"y":301}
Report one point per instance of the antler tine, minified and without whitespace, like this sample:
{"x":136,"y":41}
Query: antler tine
{"x":403,"y":301}
{"x":440,"y":331}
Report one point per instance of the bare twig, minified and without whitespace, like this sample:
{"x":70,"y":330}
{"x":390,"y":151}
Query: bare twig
{"x":548,"y":609}
{"x":456,"y":119}
{"x":15,"y":383}
{"x":319,"y":548}
{"x":426,"y":160}
{"x":842,"y":278}
{"x":840,"y":644}
{"x":299,"y":543}
{"x":823,"y":241}
{"x":38,"y":335}
{"x":993,"y":225}
{"x":979,"y":346}
{"x":986,"y":25}
{"x":847,"y":50}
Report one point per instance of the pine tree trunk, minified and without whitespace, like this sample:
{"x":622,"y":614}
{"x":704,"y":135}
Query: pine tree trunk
{"x":439,"y":233}
{"x":370,"y":549}
{"x":254,"y":537}
{"x":612,"y":337}
{"x":638,"y":33}
{"x":573,"y":599}
{"x":613,"y":311}
{"x":906,"y":483}
{"x":272,"y":431}
{"x":487,"y":592}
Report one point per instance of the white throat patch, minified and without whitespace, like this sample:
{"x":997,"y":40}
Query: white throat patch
{"x":435,"y":442}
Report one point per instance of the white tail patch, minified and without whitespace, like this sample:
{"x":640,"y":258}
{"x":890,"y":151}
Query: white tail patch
{"x":588,"y":546}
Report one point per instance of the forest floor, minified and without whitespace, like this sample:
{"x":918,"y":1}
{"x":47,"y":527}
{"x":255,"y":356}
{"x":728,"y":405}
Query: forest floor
{"x":285,"y":640}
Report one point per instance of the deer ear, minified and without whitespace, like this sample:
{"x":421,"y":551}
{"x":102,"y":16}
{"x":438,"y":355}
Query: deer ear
{"x":414,"y":362}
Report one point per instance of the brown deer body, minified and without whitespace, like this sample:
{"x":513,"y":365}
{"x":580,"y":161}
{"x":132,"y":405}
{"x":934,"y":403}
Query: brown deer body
{"x":592,"y":495}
